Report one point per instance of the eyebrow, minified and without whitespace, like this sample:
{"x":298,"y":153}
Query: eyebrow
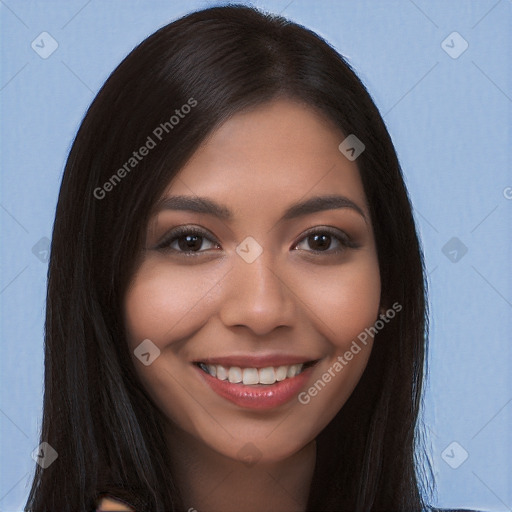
{"x":207,"y":206}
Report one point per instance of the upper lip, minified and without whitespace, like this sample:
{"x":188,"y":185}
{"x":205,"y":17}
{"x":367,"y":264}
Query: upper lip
{"x":254,"y":361}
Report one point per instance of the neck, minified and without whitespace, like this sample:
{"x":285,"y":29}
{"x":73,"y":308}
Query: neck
{"x":211,"y":482}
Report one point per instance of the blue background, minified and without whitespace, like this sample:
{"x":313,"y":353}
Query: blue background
{"x":450,"y":121}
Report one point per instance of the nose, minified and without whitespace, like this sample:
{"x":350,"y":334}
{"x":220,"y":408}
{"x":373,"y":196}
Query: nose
{"x":257,"y":297}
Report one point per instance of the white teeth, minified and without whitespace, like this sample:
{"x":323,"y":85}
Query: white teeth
{"x":235,"y":374}
{"x":281,"y":373}
{"x":222,"y":373}
{"x":293,"y":370}
{"x":253,"y":376}
{"x":267,"y":375}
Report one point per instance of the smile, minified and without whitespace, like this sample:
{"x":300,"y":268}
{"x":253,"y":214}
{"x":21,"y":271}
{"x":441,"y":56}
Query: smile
{"x":252,"y":387}
{"x":254,"y":376}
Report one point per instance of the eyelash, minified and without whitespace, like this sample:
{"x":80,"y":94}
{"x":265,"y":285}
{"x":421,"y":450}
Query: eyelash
{"x":343,"y":239}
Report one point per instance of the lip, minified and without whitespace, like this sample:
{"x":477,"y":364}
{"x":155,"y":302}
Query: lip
{"x":261,"y":396}
{"x":262,"y":361}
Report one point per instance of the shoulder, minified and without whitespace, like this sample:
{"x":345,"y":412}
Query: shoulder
{"x":110,"y":504}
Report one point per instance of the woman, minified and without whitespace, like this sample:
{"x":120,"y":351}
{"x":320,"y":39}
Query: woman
{"x":236,"y":310}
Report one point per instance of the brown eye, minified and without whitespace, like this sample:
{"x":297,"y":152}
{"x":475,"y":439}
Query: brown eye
{"x":326,"y":240}
{"x":319,"y":242}
{"x":188,"y":241}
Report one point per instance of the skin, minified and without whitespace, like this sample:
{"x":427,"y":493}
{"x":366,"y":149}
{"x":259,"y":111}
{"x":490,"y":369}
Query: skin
{"x":111,"y":505}
{"x":291,"y":299}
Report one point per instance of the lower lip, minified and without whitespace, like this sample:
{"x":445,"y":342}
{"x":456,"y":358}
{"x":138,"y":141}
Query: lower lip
{"x":262,"y":396}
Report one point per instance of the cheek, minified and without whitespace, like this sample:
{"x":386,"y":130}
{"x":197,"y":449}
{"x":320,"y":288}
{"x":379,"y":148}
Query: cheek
{"x":344,"y":300}
{"x":167,"y":305}
{"x":343,"y":305}
{"x":164,"y":303}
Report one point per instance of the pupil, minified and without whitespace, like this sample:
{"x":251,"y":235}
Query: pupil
{"x":190,"y":242}
{"x":319,"y":242}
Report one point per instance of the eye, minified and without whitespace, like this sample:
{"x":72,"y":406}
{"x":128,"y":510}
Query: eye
{"x":191,"y":241}
{"x":188,"y":240}
{"x":325,"y":240}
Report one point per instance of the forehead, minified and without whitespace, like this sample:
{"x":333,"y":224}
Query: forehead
{"x":274,"y":154}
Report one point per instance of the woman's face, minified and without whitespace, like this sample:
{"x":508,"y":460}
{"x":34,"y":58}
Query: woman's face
{"x":259,"y":258}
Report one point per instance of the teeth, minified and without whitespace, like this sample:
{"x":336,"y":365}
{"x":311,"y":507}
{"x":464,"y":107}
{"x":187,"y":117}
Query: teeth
{"x":235,"y":374}
{"x":281,"y":373}
{"x":252,"y":376}
{"x":267,"y":376}
{"x":293,"y":370}
{"x":222,"y":373}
